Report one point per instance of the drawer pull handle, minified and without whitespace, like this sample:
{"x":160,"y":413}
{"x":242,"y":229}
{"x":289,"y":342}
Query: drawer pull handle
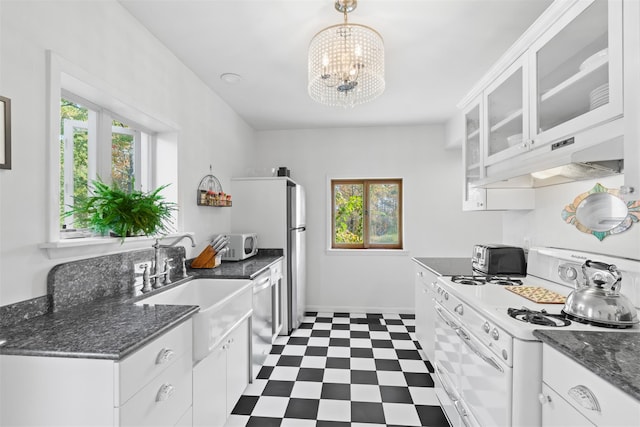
{"x":165,"y":392}
{"x":165,"y":355}
{"x":584,"y":397}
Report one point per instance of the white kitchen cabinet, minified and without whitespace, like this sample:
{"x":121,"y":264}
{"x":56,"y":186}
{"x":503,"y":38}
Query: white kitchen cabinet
{"x":473,"y":198}
{"x":220,"y":378}
{"x":505,"y":114}
{"x":277,"y":278}
{"x":631,"y":27}
{"x":151,"y":387}
{"x":425,"y":311}
{"x":474,"y":153}
{"x":572,"y":394}
{"x":557,"y":91}
{"x":577,"y":72}
{"x":557,"y":412}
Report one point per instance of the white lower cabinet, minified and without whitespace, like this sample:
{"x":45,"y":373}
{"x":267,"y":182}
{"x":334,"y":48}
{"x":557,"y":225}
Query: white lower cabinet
{"x":425,"y":310}
{"x":557,"y":412}
{"x":220,"y":378}
{"x":573,"y":396}
{"x":151,"y":387}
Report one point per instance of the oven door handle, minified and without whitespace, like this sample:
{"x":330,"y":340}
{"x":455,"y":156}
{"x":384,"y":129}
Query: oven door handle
{"x":457,"y":404}
{"x":464,"y":416}
{"x":446,"y":386}
{"x":448,"y":322}
{"x":467,"y":340}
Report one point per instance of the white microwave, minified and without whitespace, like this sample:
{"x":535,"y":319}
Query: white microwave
{"x":241,"y":246}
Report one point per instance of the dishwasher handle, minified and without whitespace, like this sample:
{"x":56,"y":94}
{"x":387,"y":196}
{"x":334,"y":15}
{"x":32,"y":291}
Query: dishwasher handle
{"x":262,"y":284}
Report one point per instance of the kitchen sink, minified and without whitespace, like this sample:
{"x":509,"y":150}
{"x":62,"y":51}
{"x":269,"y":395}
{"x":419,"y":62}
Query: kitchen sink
{"x":223,"y":304}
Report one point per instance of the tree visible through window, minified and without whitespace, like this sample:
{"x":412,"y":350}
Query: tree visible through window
{"x":80,"y":158}
{"x":366,"y":214}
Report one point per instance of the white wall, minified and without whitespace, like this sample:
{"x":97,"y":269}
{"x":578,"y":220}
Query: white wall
{"x":111,"y":45}
{"x":545,"y":227}
{"x":434,"y":223}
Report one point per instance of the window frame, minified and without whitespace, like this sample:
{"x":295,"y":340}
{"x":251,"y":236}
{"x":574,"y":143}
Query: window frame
{"x":366,"y":183}
{"x":63,"y":75}
{"x":100,"y":130}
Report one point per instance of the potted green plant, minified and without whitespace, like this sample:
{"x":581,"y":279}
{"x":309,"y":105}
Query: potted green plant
{"x":110,"y":209}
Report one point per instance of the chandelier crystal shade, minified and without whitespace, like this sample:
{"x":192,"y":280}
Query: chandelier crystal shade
{"x":346,"y":62}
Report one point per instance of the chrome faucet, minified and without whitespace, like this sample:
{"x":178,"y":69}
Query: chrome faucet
{"x":157,"y":261}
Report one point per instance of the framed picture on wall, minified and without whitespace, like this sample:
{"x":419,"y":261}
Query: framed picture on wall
{"x":5,"y":133}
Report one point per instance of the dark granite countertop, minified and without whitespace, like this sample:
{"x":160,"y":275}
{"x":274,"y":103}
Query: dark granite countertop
{"x":107,"y":328}
{"x":613,"y":356}
{"x":112,"y":327}
{"x":446,"y":266}
{"x":246,"y":269}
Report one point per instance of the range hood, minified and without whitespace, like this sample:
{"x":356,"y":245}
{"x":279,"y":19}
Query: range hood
{"x":593,"y":154}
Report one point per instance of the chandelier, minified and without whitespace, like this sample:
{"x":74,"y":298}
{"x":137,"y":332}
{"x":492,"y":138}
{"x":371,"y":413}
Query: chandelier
{"x":346,"y":62}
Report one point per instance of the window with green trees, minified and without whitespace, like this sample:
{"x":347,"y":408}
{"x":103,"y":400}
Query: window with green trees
{"x":82,"y":160}
{"x":366,"y":213}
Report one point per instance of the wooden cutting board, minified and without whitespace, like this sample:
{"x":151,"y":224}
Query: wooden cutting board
{"x":537,"y":294}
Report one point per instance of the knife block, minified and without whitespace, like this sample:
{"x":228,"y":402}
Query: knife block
{"x":208,"y":258}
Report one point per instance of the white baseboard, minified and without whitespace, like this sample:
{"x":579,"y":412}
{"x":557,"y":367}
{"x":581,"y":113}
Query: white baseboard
{"x":360,"y":309}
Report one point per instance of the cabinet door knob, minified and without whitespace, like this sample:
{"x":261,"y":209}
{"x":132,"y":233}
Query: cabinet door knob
{"x":165,"y":355}
{"x":165,"y":392}
{"x":543,"y":398}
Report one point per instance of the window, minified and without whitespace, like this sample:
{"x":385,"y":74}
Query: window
{"x":366,"y":214}
{"x":82,"y":160}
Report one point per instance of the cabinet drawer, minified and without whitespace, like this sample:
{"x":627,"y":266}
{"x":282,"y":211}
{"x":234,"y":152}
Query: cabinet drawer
{"x":571,"y":380}
{"x":276,"y":271}
{"x":426,"y":277}
{"x":135,"y":371}
{"x":164,"y":400}
{"x":557,"y":412}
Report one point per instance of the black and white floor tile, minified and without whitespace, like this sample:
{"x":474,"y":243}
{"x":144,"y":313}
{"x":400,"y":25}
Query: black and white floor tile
{"x":343,"y":369}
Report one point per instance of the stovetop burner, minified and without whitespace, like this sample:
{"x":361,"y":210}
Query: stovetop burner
{"x":538,"y":317}
{"x":482,"y":280}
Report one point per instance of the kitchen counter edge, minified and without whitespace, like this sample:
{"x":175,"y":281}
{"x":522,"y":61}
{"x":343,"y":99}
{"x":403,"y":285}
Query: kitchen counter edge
{"x":610,"y":355}
{"x":114,"y":327}
{"x":445,"y":266}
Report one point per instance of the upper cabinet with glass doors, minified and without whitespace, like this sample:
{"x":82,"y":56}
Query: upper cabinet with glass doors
{"x":577,"y":72}
{"x":561,"y":79}
{"x":473,"y":198}
{"x":506,"y":118}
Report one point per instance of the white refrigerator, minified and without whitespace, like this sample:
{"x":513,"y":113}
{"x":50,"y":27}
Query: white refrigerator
{"x":274,"y":208}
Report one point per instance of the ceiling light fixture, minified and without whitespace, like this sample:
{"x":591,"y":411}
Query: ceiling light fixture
{"x":346,"y":62}
{"x":230,"y":78}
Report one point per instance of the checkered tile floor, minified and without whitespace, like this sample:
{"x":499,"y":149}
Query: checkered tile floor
{"x":342,"y":369}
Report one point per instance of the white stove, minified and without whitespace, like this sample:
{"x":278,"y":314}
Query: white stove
{"x":488,"y":363}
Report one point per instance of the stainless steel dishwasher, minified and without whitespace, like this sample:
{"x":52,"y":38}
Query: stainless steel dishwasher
{"x":261,"y":321}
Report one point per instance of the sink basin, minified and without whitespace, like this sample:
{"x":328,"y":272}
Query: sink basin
{"x":223,"y":304}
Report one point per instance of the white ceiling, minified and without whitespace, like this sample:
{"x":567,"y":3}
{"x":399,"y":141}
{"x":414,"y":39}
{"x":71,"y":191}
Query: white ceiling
{"x":435,"y":50}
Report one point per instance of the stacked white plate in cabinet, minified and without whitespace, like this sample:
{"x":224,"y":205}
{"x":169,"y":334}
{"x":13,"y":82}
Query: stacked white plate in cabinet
{"x":595,"y":60}
{"x":599,"y":96}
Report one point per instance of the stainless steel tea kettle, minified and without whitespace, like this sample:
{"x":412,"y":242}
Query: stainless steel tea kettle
{"x":598,"y":300}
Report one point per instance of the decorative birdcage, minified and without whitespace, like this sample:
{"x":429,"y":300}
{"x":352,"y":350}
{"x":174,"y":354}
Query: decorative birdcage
{"x":210,"y":193}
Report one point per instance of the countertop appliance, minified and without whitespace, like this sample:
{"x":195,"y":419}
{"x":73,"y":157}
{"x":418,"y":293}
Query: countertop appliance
{"x":488,"y":363}
{"x":499,"y":260}
{"x":240,"y":246}
{"x":274,"y":207}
